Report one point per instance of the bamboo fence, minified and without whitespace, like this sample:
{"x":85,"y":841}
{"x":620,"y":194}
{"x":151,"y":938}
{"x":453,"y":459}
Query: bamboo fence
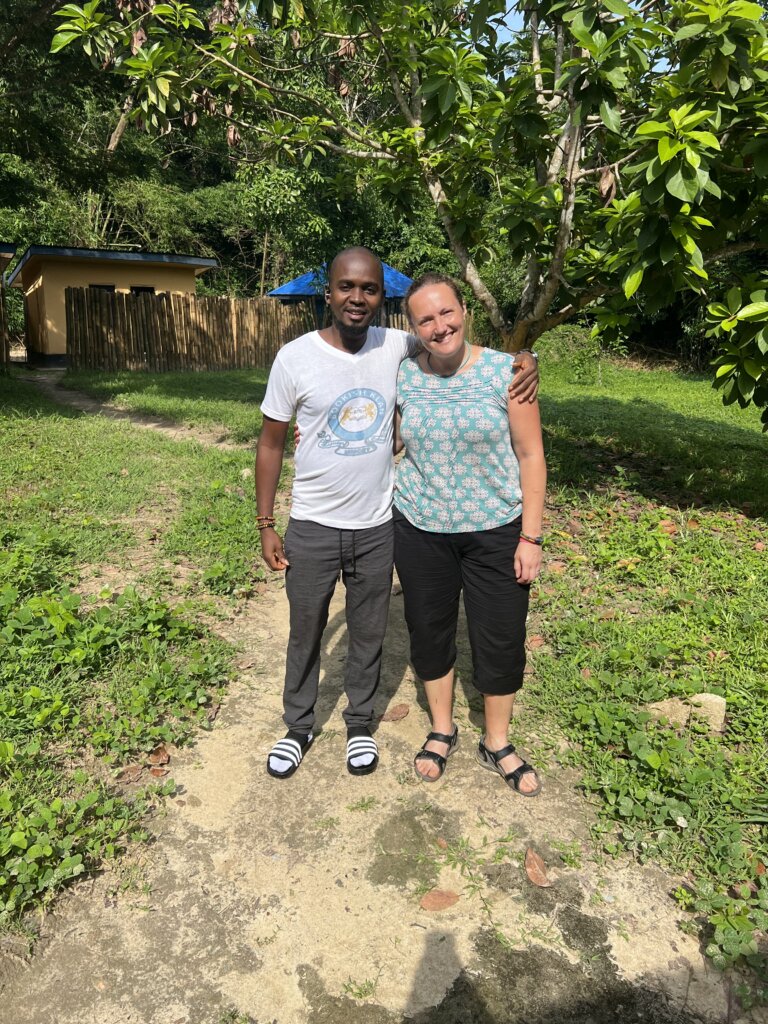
{"x":119,"y":331}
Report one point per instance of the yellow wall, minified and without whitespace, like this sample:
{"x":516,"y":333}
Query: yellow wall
{"x":34,"y":313}
{"x":56,"y":275}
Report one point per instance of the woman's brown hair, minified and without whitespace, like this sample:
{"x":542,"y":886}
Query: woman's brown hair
{"x":431,"y":278}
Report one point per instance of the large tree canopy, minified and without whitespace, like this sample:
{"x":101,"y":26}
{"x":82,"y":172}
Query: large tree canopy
{"x":623,"y":146}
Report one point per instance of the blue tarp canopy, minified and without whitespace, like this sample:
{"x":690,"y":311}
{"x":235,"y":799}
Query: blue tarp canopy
{"x":313,"y":283}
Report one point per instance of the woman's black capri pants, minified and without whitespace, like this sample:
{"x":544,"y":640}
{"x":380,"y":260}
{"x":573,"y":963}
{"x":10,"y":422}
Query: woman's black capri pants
{"x":433,"y":569}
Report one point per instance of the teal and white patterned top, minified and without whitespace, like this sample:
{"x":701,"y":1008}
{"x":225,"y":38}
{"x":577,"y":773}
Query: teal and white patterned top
{"x":459,"y":473}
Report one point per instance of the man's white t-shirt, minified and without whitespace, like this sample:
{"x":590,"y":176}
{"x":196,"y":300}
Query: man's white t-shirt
{"x":344,"y":405}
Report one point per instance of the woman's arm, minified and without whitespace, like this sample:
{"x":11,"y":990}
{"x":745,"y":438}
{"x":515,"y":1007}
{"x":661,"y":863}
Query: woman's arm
{"x":525,"y":431}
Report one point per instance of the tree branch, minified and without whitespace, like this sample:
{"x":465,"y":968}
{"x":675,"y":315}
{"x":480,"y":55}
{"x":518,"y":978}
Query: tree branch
{"x":734,"y":249}
{"x":619,"y":163}
{"x":560,"y":317}
{"x":294,"y":94}
{"x":122,"y":124}
{"x":468,"y":269}
{"x":538,"y":80}
{"x":394,"y":80}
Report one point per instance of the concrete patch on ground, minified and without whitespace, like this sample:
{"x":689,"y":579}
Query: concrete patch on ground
{"x":299,"y":901}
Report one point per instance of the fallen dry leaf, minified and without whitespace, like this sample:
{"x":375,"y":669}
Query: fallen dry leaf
{"x":535,"y":869}
{"x":557,"y":566}
{"x":759,"y":546}
{"x":693,"y":524}
{"x":586,"y":673}
{"x":130,"y":773}
{"x":158,"y":773}
{"x":213,"y":710}
{"x":667,"y":526}
{"x":535,"y":641}
{"x":396,"y":713}
{"x":442,"y":843}
{"x":760,"y":869}
{"x":438,"y":899}
{"x":159,"y":755}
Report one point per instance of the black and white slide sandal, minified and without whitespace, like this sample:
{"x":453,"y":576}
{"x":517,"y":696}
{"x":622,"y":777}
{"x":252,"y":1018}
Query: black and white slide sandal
{"x":287,"y":754}
{"x":362,"y":752}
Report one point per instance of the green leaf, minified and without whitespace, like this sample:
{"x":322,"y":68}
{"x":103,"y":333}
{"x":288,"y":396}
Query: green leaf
{"x":618,"y":7}
{"x":753,"y":368}
{"x":466,"y":92}
{"x":724,"y":369}
{"x":19,"y":840}
{"x":611,"y":117}
{"x":706,"y":139}
{"x":719,"y":70}
{"x":682,"y":186}
{"x":733,"y":299}
{"x":689,"y":30}
{"x":446,"y":97}
{"x":652,"y":759}
{"x":754,"y":311}
{"x":743,"y":9}
{"x":668,"y":148}
{"x":668,"y":249}
{"x":654,"y":128}
{"x":632,"y":281}
{"x":62,"y":39}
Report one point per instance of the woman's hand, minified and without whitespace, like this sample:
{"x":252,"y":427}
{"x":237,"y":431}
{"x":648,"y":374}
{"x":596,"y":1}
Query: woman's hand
{"x":525,"y":383}
{"x":527,"y":561}
{"x":272,"y":550}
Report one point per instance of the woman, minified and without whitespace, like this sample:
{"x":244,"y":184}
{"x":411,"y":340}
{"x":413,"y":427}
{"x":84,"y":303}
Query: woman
{"x":469,"y":500}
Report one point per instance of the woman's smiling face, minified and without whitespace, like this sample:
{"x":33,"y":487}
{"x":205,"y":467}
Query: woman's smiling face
{"x":438,"y":318}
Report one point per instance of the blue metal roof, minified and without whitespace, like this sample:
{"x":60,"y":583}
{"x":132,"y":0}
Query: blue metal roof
{"x":200,"y":263}
{"x":314,"y":281}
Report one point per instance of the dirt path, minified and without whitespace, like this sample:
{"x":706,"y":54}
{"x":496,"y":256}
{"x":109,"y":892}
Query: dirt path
{"x":300,"y":901}
{"x":47,"y":381}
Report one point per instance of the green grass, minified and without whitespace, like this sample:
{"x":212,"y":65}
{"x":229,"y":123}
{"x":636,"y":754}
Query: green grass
{"x":88,"y":686}
{"x":227,"y":398}
{"x":656,"y":586}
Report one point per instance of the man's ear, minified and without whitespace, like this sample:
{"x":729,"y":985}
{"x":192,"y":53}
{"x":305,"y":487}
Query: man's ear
{"x":327,"y":296}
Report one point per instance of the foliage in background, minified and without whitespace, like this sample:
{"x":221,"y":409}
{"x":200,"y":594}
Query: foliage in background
{"x":626,"y":150}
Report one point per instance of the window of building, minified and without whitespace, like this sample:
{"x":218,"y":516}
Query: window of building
{"x":141,"y":289}
{"x":103,"y":287}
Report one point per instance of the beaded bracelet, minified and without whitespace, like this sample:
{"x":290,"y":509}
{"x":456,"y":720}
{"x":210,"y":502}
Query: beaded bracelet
{"x":538,"y":541}
{"x":265,"y":522}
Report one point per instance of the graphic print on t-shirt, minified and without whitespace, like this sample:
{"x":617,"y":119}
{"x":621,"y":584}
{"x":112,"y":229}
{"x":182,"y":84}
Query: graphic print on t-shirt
{"x":355,"y":420}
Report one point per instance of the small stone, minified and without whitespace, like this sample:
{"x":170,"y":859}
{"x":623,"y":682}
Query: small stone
{"x":711,"y":708}
{"x":246,"y":474}
{"x":708,"y":707}
{"x":676,"y":711}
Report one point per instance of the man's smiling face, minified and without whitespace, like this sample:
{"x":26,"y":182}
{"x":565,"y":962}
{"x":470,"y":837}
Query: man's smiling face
{"x":355,"y":291}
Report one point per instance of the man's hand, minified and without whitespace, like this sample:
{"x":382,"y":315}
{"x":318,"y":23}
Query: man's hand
{"x":272,"y":550}
{"x":525,"y":383}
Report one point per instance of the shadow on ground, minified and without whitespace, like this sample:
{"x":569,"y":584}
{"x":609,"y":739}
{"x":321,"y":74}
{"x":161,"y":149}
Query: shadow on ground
{"x":531,"y":986}
{"x":661,"y":454}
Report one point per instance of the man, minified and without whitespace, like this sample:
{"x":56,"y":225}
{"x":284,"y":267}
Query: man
{"x":340,"y":383}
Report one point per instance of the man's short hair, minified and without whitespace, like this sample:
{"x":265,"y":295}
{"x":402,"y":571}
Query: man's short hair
{"x":355,"y":249}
